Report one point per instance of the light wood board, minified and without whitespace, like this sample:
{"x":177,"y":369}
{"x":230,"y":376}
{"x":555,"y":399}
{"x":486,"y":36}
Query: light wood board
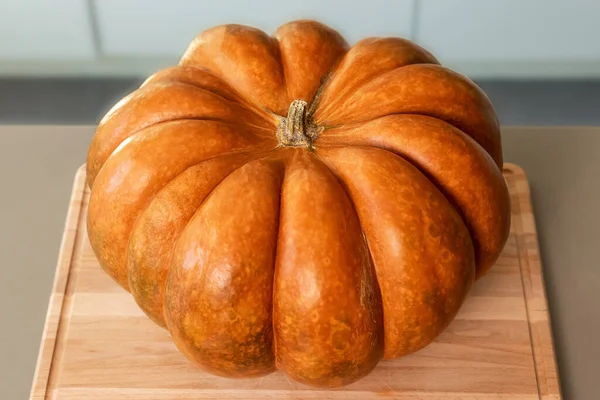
{"x":97,"y":344}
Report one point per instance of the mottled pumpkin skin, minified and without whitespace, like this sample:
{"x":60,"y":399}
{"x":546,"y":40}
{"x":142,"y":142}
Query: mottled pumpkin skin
{"x":290,"y":202}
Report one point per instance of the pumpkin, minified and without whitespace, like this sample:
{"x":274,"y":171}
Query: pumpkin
{"x":289,"y":202}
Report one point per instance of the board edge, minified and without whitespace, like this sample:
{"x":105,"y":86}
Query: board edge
{"x":542,"y":341}
{"x":57,"y":295}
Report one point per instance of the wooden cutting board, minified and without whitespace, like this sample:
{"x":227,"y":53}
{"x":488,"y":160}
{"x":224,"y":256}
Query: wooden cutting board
{"x":97,"y":344}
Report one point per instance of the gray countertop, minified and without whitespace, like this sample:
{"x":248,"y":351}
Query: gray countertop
{"x":38,"y":163}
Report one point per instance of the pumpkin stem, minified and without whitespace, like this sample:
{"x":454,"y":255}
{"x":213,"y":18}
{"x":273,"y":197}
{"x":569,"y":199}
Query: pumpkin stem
{"x":297,"y":129}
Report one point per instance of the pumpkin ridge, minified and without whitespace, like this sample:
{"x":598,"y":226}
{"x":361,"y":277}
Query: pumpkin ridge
{"x":343,"y":93}
{"x":438,"y":186}
{"x":157,"y":78}
{"x":230,"y":153}
{"x":419,"y":56}
{"x":219,"y":49}
{"x":483,"y":128}
{"x":308,"y":52}
{"x":173,"y":81}
{"x":153,"y":196}
{"x":427,"y":175}
{"x":344,"y":187}
{"x":440,"y":300}
{"x":123,"y":121}
{"x":362,"y":278}
{"x":397,"y":133}
{"x":264,"y":157}
{"x":115,"y":266}
{"x":276,"y":252}
{"x":135,"y":225}
{"x":241,"y":100}
{"x":268,"y":133}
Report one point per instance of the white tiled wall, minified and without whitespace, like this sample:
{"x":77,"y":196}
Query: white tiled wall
{"x":165,"y":27}
{"x":45,"y":29}
{"x":558,"y":38}
{"x":505,"y":30}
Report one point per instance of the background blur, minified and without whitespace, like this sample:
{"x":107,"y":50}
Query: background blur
{"x":68,"y":61}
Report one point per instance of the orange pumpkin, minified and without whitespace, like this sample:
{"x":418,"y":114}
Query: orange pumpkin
{"x":291,"y":203}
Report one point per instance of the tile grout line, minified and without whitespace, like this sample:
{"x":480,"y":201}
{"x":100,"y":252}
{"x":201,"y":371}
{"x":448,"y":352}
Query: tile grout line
{"x":92,"y":12}
{"x":414,"y":20}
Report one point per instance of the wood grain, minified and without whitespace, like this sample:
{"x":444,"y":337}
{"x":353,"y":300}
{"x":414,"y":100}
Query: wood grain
{"x":97,"y":344}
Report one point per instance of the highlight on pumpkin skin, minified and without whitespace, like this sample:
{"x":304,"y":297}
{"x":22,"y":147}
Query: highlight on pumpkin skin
{"x":219,"y":290}
{"x":327,"y":311}
{"x":309,"y":50}
{"x":421,"y":249}
{"x":158,"y":227}
{"x":200,"y":78}
{"x":130,"y":178}
{"x":363,"y":63}
{"x":459,"y":167}
{"x":167,"y":102}
{"x":205,"y":80}
{"x":449,"y":97}
{"x":260,"y":77}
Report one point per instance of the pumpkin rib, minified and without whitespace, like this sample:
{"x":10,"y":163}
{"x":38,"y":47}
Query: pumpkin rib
{"x":123,"y":121}
{"x":246,"y":101}
{"x":261,"y":114}
{"x":153,"y":197}
{"x":207,"y":119}
{"x":313,"y":50}
{"x":453,"y":161}
{"x":153,"y":126}
{"x":240,"y":99}
{"x":411,"y":242}
{"x":157,"y":124}
{"x":231,"y":153}
{"x":146,"y":222}
{"x":249,"y":158}
{"x":442,"y":190}
{"x":251,"y":155}
{"x":236,"y":352}
{"x":364,"y":59}
{"x":451,"y":98}
{"x":344,"y":187}
{"x":220,"y":49}
{"x":177,"y":74}
{"x":327,"y":312}
{"x":160,"y":134}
